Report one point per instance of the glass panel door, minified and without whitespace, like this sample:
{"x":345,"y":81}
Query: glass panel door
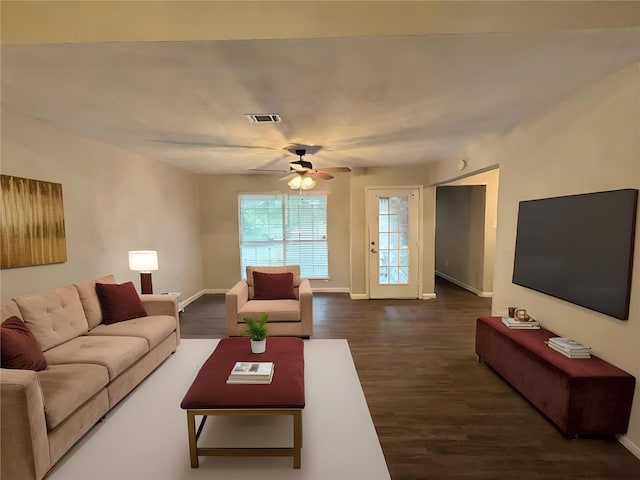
{"x":393,"y":243}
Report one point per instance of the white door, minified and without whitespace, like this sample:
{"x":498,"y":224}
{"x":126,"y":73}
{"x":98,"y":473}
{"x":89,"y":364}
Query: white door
{"x":393,"y":246}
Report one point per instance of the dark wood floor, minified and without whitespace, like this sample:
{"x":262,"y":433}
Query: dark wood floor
{"x":440,"y":414}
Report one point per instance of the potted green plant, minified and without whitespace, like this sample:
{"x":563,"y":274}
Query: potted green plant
{"x":258,"y":332}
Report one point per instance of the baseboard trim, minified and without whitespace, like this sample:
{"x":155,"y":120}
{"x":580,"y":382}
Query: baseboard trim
{"x":428,"y":296}
{"x":629,"y":445}
{"x":331,"y":289}
{"x":464,"y":285}
{"x":192,"y":298}
{"x":216,"y":291}
{"x":359,"y":296}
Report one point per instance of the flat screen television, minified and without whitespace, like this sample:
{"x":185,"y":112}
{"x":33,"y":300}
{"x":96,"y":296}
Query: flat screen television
{"x":579,"y":248}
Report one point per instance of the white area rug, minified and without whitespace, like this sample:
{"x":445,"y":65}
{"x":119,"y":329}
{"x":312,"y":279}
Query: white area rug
{"x":145,"y":436}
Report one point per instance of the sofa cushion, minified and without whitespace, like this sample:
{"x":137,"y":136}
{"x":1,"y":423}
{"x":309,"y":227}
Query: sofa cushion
{"x":19,"y":348}
{"x":279,"y":310}
{"x":90,"y":300}
{"x":55,"y":316}
{"x":152,"y":328}
{"x":66,"y":387}
{"x":115,"y":353}
{"x":119,"y":302}
{"x":273,"y":286}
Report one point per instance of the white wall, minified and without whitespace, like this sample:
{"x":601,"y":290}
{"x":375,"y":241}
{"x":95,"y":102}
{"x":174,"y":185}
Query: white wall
{"x":114,"y":201}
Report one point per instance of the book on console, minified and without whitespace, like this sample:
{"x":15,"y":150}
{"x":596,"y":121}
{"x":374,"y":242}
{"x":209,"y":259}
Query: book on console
{"x":568,"y":344}
{"x":248,"y":381}
{"x":513,"y":323}
{"x":569,"y":354}
{"x":251,"y":372}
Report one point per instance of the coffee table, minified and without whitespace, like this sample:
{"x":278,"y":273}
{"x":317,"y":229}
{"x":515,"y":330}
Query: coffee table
{"x":209,"y":394}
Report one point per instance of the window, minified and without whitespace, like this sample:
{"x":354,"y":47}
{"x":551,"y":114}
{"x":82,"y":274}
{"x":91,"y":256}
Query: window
{"x":282,"y":229}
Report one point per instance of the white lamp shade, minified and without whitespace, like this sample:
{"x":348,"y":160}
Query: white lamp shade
{"x":143,"y":260}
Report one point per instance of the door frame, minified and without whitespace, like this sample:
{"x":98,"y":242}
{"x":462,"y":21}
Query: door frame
{"x":420,"y":228}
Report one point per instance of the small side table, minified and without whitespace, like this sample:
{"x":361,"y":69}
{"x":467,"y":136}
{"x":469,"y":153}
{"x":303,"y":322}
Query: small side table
{"x":178,"y":296}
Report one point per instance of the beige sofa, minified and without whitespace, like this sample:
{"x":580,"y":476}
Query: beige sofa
{"x":287,"y":317}
{"x":91,"y":367}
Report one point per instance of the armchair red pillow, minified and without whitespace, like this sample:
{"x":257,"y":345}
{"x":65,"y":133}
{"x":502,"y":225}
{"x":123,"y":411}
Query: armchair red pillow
{"x":273,"y":286}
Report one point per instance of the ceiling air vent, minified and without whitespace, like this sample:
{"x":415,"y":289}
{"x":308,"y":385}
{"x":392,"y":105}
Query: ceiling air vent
{"x":263,"y":117}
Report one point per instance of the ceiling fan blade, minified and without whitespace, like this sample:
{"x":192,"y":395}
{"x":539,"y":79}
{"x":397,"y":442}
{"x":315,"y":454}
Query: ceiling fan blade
{"x":322,"y":175}
{"x":335,"y":169}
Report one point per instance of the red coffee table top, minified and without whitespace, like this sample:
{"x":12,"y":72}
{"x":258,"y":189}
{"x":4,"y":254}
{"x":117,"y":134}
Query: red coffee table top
{"x":286,"y":390}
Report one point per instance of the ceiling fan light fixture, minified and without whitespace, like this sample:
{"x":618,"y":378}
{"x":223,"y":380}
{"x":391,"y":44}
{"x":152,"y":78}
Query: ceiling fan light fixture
{"x":301,"y":182}
{"x":295,"y":182}
{"x":307,"y":183}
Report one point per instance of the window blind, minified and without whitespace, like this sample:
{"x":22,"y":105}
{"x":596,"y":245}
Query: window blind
{"x":282,"y":229}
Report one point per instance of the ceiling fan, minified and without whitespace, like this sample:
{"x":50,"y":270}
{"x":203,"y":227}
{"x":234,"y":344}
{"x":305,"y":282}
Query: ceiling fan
{"x":304,"y":175}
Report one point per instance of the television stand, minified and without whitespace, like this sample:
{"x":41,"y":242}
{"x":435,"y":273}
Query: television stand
{"x":581,"y":396}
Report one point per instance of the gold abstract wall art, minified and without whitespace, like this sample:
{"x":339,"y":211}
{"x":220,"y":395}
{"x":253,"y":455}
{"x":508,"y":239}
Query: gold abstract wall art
{"x":32,"y":231}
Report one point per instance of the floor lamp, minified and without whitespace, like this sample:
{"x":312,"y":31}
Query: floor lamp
{"x":144,"y":261}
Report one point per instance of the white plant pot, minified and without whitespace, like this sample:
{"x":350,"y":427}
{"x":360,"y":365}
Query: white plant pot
{"x":258,"y":346}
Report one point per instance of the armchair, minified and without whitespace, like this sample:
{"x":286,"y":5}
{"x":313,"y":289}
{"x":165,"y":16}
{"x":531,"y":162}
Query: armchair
{"x":290,"y":314}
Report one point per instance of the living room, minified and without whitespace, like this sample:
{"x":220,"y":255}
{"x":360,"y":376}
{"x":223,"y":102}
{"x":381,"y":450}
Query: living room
{"x":116,"y":200}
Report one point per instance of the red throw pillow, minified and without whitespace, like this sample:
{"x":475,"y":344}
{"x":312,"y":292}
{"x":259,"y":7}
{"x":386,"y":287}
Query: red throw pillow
{"x":19,"y":348}
{"x":119,"y":302}
{"x":273,"y":286}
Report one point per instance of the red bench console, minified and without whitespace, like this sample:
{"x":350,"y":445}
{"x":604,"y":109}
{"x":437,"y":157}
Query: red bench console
{"x":581,"y":396}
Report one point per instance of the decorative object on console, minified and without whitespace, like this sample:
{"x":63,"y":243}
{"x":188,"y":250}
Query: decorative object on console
{"x":258,"y":332}
{"x":519,"y":318}
{"x":521,"y":315}
{"x":144,"y":261}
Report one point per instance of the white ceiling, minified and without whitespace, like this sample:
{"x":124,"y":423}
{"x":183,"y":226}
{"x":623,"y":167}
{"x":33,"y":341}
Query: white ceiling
{"x":374,"y":100}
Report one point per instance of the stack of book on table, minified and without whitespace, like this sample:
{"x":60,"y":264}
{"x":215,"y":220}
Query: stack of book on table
{"x":569,"y":348}
{"x":513,"y":323}
{"x":251,"y":372}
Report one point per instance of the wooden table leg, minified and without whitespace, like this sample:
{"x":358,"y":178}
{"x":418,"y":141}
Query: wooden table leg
{"x":297,"y":438}
{"x":193,"y":441}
